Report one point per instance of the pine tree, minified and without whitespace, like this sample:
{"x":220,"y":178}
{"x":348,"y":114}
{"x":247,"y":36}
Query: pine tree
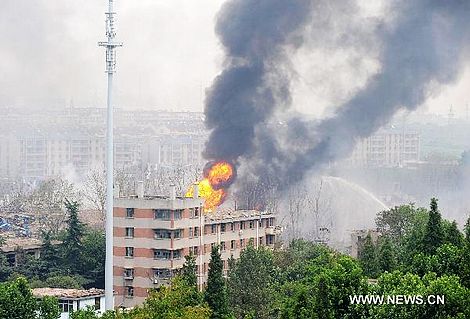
{"x":72,"y":244}
{"x":5,"y":268}
{"x":189,"y":279}
{"x":49,"y":253}
{"x":368,"y":258}
{"x":386,"y":256}
{"x":216,"y":291}
{"x":453,"y":235}
{"x":189,"y":271}
{"x":434,"y":235}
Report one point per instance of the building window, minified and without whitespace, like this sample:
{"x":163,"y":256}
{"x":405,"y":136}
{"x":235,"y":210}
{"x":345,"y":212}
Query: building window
{"x":223,"y":228}
{"x":177,"y":254}
{"x":97,"y":303}
{"x":161,"y":254}
{"x":162,"y":273}
{"x":130,"y":252}
{"x":242,"y":225}
{"x":178,"y":233}
{"x":252,"y":224}
{"x":269,"y":240}
{"x":232,"y":244}
{"x":163,"y":214}
{"x":196,"y":231}
{"x":178,"y":214}
{"x":196,"y":211}
{"x":222,"y":246}
{"x":130,"y":232}
{"x":196,"y":250}
{"x":129,"y":291}
{"x":213,"y":229}
{"x":242,"y":243}
{"x":65,"y":305}
{"x":129,"y":273}
{"x":232,"y":228}
{"x":162,"y":234}
{"x":130,"y":212}
{"x":271,"y":222}
{"x":191,"y":232}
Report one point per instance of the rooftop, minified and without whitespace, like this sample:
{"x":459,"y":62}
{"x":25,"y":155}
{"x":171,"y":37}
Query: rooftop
{"x":229,"y":213}
{"x":67,"y":293}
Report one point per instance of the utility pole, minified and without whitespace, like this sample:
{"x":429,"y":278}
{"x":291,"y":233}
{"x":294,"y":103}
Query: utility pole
{"x":110,"y":46}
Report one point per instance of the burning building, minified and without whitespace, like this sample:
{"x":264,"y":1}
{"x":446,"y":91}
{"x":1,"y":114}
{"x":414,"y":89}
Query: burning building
{"x":218,"y":176}
{"x":152,"y":234}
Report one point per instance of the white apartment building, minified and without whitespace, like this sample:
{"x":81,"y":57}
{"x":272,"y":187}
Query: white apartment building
{"x":387,"y":148}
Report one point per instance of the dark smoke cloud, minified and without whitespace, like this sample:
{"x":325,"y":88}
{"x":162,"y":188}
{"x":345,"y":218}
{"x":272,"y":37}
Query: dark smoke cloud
{"x":422,"y":49}
{"x":255,"y":34}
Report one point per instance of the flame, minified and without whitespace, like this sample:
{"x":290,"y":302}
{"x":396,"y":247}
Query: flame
{"x":217,"y":177}
{"x":220,"y":174}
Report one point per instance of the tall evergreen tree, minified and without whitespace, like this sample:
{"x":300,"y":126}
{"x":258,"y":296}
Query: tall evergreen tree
{"x":216,"y":291}
{"x":5,"y":268}
{"x":368,"y":258}
{"x":189,"y":271}
{"x":72,"y":244}
{"x":189,"y":279}
{"x":434,"y":234}
{"x":386,"y":255}
{"x":452,"y":234}
{"x":49,"y":253}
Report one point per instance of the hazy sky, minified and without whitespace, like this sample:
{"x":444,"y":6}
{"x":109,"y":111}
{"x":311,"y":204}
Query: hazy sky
{"x":49,"y":54}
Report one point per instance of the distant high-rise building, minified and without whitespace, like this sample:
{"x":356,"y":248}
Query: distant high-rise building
{"x":387,"y":148}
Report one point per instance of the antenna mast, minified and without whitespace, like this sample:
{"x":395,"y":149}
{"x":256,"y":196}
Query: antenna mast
{"x":110,"y":46}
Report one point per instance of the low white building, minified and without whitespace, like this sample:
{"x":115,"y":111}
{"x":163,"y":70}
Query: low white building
{"x":74,"y":299}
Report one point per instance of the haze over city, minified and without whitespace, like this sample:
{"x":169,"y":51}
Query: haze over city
{"x":49,"y":56}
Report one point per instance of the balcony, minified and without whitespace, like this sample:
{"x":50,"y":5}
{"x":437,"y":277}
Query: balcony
{"x":273,"y":230}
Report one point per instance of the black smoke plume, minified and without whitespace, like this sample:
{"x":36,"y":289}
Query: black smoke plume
{"x":422,"y":49}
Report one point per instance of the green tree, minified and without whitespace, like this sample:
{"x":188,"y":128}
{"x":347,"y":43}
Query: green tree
{"x":386,"y":255}
{"x":48,"y":308}
{"x":434,"y":234}
{"x":452,"y":234}
{"x":5,"y":268}
{"x":465,"y":261}
{"x":189,"y":270}
{"x":398,"y":221}
{"x":17,"y":300}
{"x":87,"y":313}
{"x":172,"y":302}
{"x":50,"y":253}
{"x":251,"y":283}
{"x":368,"y":257}
{"x":64,"y":281}
{"x":397,"y":283}
{"x":72,"y":244}
{"x":92,"y":258}
{"x":189,"y":278}
{"x":216,"y":291}
{"x":323,"y":306}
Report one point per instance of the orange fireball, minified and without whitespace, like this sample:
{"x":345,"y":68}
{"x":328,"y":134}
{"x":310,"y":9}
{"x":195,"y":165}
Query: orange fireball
{"x":218,"y":176}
